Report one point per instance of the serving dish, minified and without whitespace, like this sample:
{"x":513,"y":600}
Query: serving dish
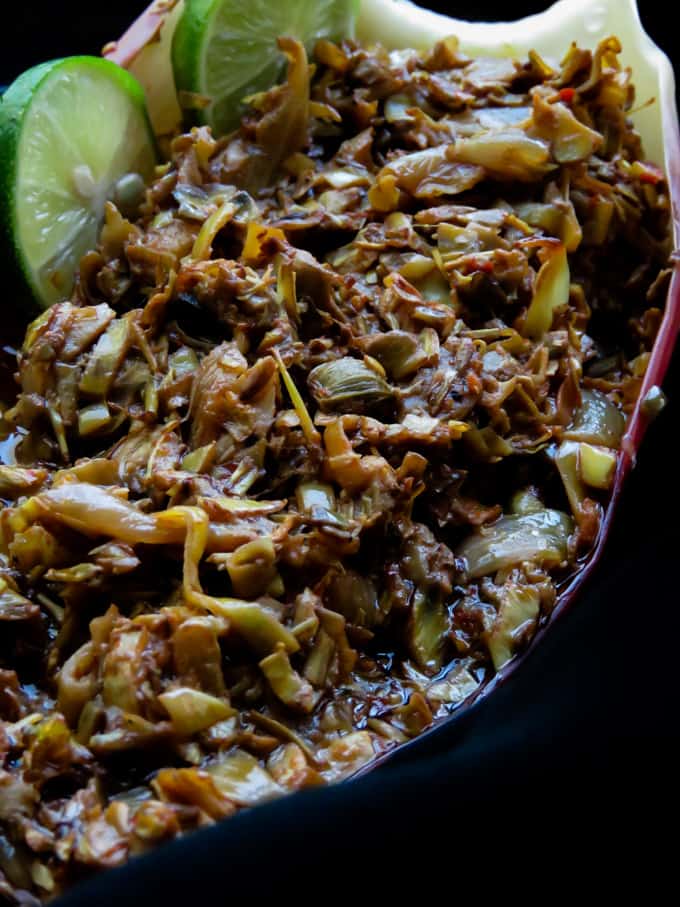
{"x":144,"y":49}
{"x":410,"y":26}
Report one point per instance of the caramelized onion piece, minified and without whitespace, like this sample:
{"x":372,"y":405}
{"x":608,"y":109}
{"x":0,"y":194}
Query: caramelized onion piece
{"x":517,"y":614}
{"x":347,"y":385}
{"x":597,"y":421}
{"x":540,"y":537}
{"x":95,"y":511}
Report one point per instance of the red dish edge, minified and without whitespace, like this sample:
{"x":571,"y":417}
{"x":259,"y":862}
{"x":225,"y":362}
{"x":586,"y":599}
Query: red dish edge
{"x":146,"y":29}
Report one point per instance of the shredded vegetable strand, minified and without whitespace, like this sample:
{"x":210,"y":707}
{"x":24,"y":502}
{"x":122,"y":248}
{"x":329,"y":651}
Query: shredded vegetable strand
{"x":310,"y":432}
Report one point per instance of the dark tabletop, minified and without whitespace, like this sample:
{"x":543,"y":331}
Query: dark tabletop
{"x":573,"y":761}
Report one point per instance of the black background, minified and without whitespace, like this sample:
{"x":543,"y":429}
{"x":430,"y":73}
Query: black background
{"x":565,"y":778}
{"x":45,"y":29}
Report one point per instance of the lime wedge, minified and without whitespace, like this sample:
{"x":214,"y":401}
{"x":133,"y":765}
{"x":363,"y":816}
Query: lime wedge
{"x":70,"y":131}
{"x":225,"y":50}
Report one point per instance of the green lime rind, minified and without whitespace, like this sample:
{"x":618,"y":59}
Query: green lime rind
{"x":187,"y":40}
{"x":12,"y":107}
{"x":225,"y":50}
{"x":107,"y":105}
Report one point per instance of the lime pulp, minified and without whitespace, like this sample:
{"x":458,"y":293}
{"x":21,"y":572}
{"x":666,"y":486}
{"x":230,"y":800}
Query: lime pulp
{"x":69,"y":130}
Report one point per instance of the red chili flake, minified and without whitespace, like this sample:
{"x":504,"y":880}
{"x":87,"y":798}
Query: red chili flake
{"x":474,"y":383}
{"x":480,"y":264}
{"x":650,"y":173}
{"x":567,"y":95}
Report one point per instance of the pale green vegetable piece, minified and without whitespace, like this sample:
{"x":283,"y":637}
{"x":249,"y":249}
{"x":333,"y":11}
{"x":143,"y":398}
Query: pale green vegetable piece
{"x":16,"y":480}
{"x":519,"y":609}
{"x":119,"y":685}
{"x":259,"y":627}
{"x":597,"y":421}
{"x":566,"y":460}
{"x":654,"y":402}
{"x":252,"y":567}
{"x":313,"y":496}
{"x":596,"y":465}
{"x":433,"y":172}
{"x":400,"y":353}
{"x":106,"y":359}
{"x":454,"y":688}
{"x":319,"y":659}
{"x":570,"y":140}
{"x":356,"y":598}
{"x":347,"y":384}
{"x":199,"y":460}
{"x":288,"y":686}
{"x":427,"y":630}
{"x":241,"y":778}
{"x":192,"y":710}
{"x":13,"y":605}
{"x":525,"y":501}
{"x":93,"y":418}
{"x":347,"y":753}
{"x":540,"y":537}
{"x":551,"y":291}
{"x":506,"y":154}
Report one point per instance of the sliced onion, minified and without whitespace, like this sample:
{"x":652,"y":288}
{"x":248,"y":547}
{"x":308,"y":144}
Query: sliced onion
{"x":597,"y":421}
{"x":539,"y":537}
{"x":519,"y":610}
{"x":241,"y":779}
{"x":192,"y":710}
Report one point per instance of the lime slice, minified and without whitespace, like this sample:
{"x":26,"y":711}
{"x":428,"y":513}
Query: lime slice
{"x":70,"y":132}
{"x":225,"y":50}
